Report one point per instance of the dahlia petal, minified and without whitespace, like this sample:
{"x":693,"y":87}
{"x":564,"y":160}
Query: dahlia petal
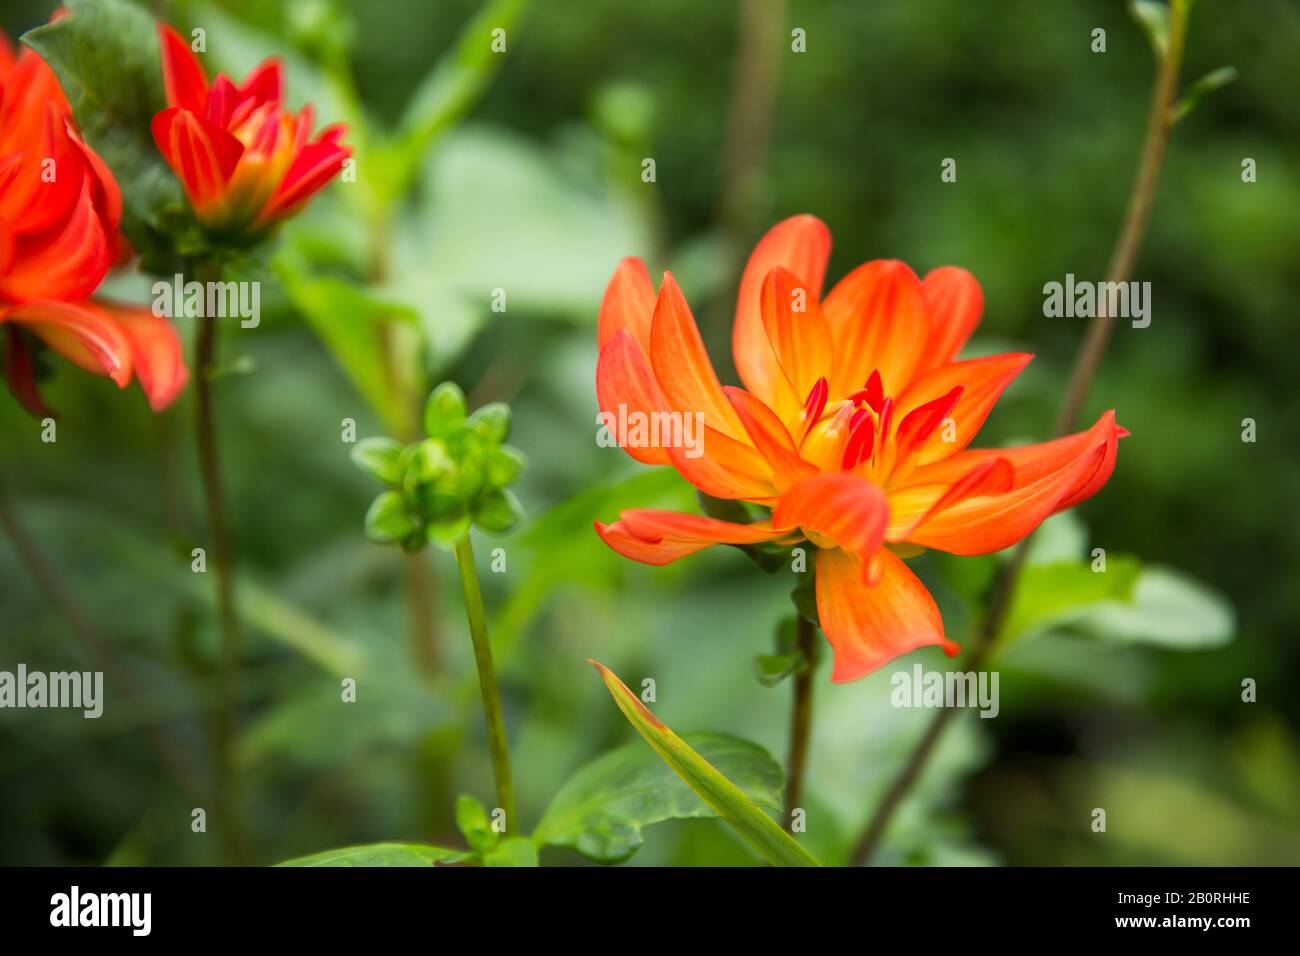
{"x":956,"y":303}
{"x":682,"y":366}
{"x":183,"y":77}
{"x":801,"y":244}
{"x":910,"y":506}
{"x":770,"y":438}
{"x":723,"y":467}
{"x":265,"y":84}
{"x":68,"y":265}
{"x":800,"y":340}
{"x":156,"y":354}
{"x":661,"y":537}
{"x":20,"y":371}
{"x":879,"y":321}
{"x":1049,"y":477}
{"x":624,"y":378}
{"x":985,"y":379}
{"x":848,"y":510}
{"x":78,"y":333}
{"x":311,"y":170}
{"x":628,"y":303}
{"x":202,"y":154}
{"x":867,"y":626}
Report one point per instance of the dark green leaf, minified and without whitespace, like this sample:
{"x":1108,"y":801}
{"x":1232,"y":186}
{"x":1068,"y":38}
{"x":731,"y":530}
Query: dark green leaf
{"x":1210,"y":82}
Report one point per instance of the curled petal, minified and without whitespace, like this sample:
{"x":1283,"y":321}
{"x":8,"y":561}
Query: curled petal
{"x":661,"y":537}
{"x":1049,"y":477}
{"x":156,"y":354}
{"x":869,"y":625}
{"x":311,"y":170}
{"x":802,"y":245}
{"x":78,"y":333}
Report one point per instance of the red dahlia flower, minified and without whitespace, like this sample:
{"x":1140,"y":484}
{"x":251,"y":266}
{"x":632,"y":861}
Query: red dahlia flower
{"x":59,"y":213}
{"x":852,"y":428}
{"x":245,"y":161}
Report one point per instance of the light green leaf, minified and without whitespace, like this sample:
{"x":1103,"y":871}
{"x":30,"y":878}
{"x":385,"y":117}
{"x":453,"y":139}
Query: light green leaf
{"x":512,"y":851}
{"x":1050,"y":595}
{"x":1207,"y":84}
{"x":349,"y":320}
{"x":744,"y":816}
{"x":601,"y":810}
{"x":1168,"y":609}
{"x":1154,"y":19}
{"x":472,"y":821}
{"x":456,"y":81}
{"x":381,"y":854}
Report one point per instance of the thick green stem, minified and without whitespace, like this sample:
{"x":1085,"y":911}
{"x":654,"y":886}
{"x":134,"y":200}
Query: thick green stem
{"x":1160,"y":122}
{"x":487,"y":680}
{"x":225,"y":719}
{"x":800,"y":720}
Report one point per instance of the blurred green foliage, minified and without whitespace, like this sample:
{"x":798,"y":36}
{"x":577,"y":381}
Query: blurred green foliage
{"x":523,"y":173}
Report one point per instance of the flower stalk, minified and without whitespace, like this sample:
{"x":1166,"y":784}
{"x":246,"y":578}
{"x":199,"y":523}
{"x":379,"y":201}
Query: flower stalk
{"x":225,"y":718}
{"x":801,"y":715}
{"x":487,"y":679}
{"x":1160,"y":122}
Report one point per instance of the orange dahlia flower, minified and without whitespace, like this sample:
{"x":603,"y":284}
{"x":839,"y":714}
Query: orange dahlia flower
{"x":852,"y":429}
{"x":59,"y":213}
{"x":244,"y":160}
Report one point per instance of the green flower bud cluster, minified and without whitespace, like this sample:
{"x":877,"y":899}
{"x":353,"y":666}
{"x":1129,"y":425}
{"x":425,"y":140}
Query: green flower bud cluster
{"x":441,"y":485}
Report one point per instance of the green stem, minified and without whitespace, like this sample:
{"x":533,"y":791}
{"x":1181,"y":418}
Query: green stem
{"x":225,"y":720}
{"x":487,"y":679}
{"x":1160,"y":122}
{"x":800,"y":720}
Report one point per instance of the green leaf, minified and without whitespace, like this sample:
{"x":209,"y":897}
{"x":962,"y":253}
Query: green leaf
{"x":602,"y":809}
{"x":447,"y":92}
{"x":387,"y":520}
{"x":381,"y":854}
{"x":1154,"y":19}
{"x":105,"y":54}
{"x":771,"y":669}
{"x":350,"y":321}
{"x":1207,"y":84}
{"x":512,"y":851}
{"x":445,"y":410}
{"x":380,"y":458}
{"x":472,"y":820}
{"x":1168,"y":609}
{"x":1049,"y":595}
{"x":744,"y":816}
